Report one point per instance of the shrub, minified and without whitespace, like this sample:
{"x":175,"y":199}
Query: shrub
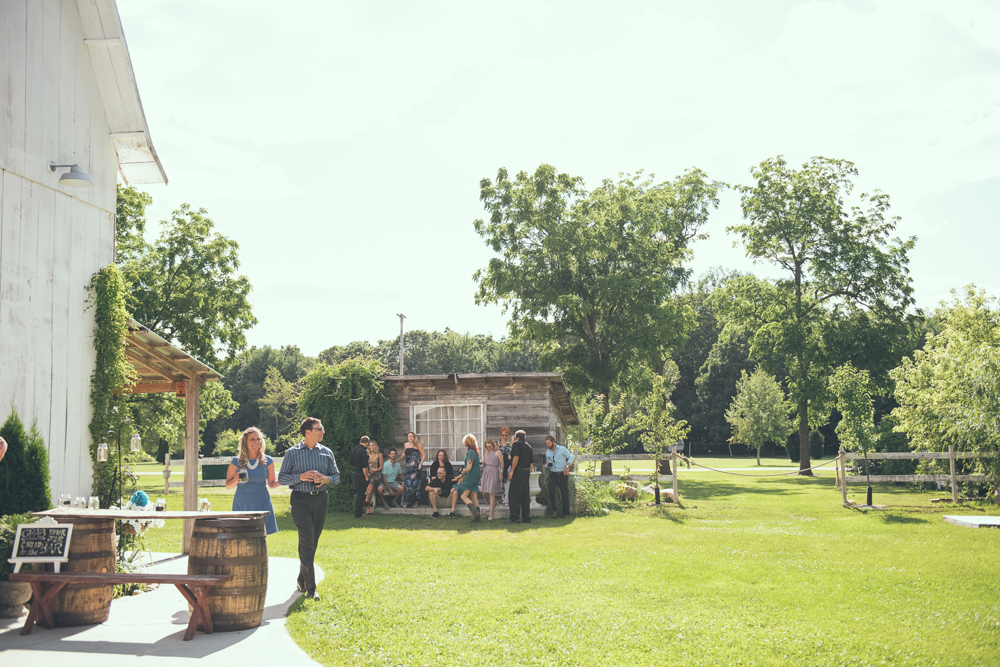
{"x":816,"y":443}
{"x":24,"y":473}
{"x":792,"y":447}
{"x":8,"y":530}
{"x":227,"y":443}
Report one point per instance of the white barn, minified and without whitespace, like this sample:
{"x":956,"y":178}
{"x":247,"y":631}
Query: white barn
{"x":67,"y":96}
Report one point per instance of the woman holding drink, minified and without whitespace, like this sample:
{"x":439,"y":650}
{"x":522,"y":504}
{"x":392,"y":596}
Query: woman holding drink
{"x":251,"y":474}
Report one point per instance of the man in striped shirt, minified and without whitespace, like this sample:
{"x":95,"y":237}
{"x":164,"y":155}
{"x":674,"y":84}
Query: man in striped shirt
{"x":308,"y":468}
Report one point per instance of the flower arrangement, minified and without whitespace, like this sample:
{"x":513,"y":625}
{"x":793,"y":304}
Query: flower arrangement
{"x":139,"y":502}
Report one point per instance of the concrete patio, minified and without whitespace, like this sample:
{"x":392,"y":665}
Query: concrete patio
{"x":151,"y":626}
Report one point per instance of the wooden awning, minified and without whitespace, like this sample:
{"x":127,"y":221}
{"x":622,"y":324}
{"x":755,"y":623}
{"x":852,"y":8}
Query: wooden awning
{"x":160,"y":366}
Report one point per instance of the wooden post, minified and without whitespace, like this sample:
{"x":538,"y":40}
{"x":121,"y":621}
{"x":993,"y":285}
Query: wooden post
{"x":166,"y":474}
{"x":192,"y":405}
{"x":954,"y":483}
{"x":673,"y":458}
{"x":843,"y":475}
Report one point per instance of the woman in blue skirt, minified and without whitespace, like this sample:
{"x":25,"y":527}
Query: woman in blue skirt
{"x":251,"y":474}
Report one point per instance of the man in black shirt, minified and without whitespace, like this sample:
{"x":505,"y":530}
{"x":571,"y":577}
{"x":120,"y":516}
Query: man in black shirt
{"x":520,"y":478}
{"x":440,"y":487}
{"x":359,"y":465}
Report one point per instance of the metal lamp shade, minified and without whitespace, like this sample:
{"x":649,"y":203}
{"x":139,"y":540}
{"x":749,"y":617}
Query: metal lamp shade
{"x":75,"y":178}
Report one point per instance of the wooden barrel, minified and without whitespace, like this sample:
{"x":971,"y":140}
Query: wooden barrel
{"x":91,"y":549}
{"x":237,"y":547}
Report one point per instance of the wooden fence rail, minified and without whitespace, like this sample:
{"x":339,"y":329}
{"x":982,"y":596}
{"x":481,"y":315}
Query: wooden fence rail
{"x":952,"y":478}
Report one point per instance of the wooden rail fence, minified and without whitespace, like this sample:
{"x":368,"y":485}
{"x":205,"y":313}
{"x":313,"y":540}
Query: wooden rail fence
{"x":951,"y":455}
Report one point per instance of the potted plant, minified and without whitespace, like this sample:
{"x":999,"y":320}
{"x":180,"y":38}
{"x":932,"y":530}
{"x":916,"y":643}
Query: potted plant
{"x":13,"y":594}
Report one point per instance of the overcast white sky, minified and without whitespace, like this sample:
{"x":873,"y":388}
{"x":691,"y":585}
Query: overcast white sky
{"x":342,"y":144}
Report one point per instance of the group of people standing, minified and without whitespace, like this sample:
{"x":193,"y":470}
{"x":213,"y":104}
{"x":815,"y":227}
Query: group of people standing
{"x":503,"y":474}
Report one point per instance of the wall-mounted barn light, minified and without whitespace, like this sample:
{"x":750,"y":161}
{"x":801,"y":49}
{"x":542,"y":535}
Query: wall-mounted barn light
{"x":74,"y":178}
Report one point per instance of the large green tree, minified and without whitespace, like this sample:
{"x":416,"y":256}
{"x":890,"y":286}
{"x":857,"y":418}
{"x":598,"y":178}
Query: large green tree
{"x":949,"y":391}
{"x":186,"y":286}
{"x":589,"y":276}
{"x":836,"y":258}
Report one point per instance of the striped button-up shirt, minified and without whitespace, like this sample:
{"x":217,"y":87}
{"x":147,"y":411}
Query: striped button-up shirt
{"x":559,"y":459}
{"x":300,"y":459}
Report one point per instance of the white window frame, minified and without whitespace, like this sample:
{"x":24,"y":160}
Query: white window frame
{"x":456,"y":450}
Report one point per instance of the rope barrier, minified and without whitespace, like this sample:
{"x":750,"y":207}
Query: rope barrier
{"x":776,"y":474}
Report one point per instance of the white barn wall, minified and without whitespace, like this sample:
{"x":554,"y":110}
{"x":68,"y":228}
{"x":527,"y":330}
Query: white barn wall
{"x":52,"y":238}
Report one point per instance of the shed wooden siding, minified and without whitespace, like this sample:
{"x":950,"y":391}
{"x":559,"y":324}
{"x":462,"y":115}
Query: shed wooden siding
{"x":522,"y":403}
{"x":52,"y":238}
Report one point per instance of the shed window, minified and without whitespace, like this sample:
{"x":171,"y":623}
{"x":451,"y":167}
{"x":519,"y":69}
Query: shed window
{"x":444,"y":426}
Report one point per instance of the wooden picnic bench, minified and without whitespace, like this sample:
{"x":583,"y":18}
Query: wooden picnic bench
{"x":194,"y":588}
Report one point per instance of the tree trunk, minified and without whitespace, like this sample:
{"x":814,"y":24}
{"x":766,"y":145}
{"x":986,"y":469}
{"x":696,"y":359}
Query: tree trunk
{"x":758,"y":456}
{"x":606,"y":404}
{"x":804,"y":463}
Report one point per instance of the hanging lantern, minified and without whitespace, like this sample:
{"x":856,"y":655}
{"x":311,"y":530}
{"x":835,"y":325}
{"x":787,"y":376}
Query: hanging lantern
{"x":135,"y":443}
{"x":102,"y":452}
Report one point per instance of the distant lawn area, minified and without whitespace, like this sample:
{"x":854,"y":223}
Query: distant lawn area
{"x":746,"y":571}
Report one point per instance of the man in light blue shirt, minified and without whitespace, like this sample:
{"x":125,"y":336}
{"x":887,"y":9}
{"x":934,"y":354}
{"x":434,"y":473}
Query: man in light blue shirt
{"x":308,"y":468}
{"x":391,"y":470}
{"x":558,"y":460}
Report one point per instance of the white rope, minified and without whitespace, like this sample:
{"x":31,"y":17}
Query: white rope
{"x":776,"y":474}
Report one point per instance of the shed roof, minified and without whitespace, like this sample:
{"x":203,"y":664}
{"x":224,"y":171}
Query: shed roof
{"x":556,"y":384}
{"x":160,"y":365}
{"x":105,"y":41}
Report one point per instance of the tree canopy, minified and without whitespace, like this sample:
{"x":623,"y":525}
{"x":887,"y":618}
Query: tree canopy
{"x":186,"y":286}
{"x":588,"y":276}
{"x":836,"y":258}
{"x":949,"y":391}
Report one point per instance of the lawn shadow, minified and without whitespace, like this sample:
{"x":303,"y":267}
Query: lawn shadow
{"x":707,"y":489}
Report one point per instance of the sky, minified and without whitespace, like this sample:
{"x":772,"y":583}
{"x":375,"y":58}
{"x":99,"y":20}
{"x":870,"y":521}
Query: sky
{"x":342,"y":144}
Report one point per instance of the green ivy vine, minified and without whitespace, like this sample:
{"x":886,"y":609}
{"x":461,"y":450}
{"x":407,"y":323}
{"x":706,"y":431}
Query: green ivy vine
{"x":112,"y":372}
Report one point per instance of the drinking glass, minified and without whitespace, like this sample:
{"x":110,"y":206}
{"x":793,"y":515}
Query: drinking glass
{"x":95,"y":503}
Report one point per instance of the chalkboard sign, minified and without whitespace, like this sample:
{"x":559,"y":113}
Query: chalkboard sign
{"x":42,"y":542}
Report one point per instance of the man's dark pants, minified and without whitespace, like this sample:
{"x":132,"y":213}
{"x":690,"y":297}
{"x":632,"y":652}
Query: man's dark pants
{"x":309,"y":515}
{"x":558,"y":482}
{"x":520,"y":496}
{"x":360,"y":490}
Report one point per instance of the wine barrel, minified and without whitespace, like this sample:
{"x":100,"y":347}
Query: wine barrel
{"x":237,"y":547}
{"x":91,"y":549}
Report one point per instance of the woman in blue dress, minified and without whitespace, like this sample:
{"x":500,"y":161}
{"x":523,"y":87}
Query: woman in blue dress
{"x":251,"y":474}
{"x":468,"y":479}
{"x":413,"y":453}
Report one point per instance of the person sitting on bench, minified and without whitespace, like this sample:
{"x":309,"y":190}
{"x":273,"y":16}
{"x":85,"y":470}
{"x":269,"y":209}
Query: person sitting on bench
{"x":440,"y":487}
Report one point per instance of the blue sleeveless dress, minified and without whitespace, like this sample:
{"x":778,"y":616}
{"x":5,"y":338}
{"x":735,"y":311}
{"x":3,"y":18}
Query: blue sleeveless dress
{"x":252,"y":495}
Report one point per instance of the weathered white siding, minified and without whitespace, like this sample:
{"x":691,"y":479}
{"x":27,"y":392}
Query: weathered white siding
{"x":52,"y":238}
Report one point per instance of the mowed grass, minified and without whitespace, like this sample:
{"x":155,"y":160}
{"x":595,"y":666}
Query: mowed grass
{"x":747,"y":571}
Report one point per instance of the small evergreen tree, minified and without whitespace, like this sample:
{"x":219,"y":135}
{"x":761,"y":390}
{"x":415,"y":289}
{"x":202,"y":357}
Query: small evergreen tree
{"x":24,"y":473}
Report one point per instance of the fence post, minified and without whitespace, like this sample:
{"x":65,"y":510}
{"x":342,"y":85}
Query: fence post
{"x":166,"y":474}
{"x":673,"y":458}
{"x":954,"y":483}
{"x":843,"y":475}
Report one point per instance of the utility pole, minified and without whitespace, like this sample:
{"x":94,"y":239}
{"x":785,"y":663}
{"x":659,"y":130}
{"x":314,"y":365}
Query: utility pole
{"x":401,"y":318}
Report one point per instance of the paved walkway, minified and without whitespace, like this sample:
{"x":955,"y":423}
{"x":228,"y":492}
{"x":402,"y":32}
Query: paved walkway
{"x":151,"y":625}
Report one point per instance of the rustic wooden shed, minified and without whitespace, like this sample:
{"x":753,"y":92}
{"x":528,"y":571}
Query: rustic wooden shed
{"x":442,"y":409}
{"x":68,"y":95}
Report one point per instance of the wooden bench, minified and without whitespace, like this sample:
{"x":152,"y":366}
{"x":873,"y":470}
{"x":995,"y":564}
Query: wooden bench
{"x":45,"y":586}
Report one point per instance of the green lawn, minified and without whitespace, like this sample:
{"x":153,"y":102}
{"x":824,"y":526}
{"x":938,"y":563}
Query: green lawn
{"x":748,"y":571}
